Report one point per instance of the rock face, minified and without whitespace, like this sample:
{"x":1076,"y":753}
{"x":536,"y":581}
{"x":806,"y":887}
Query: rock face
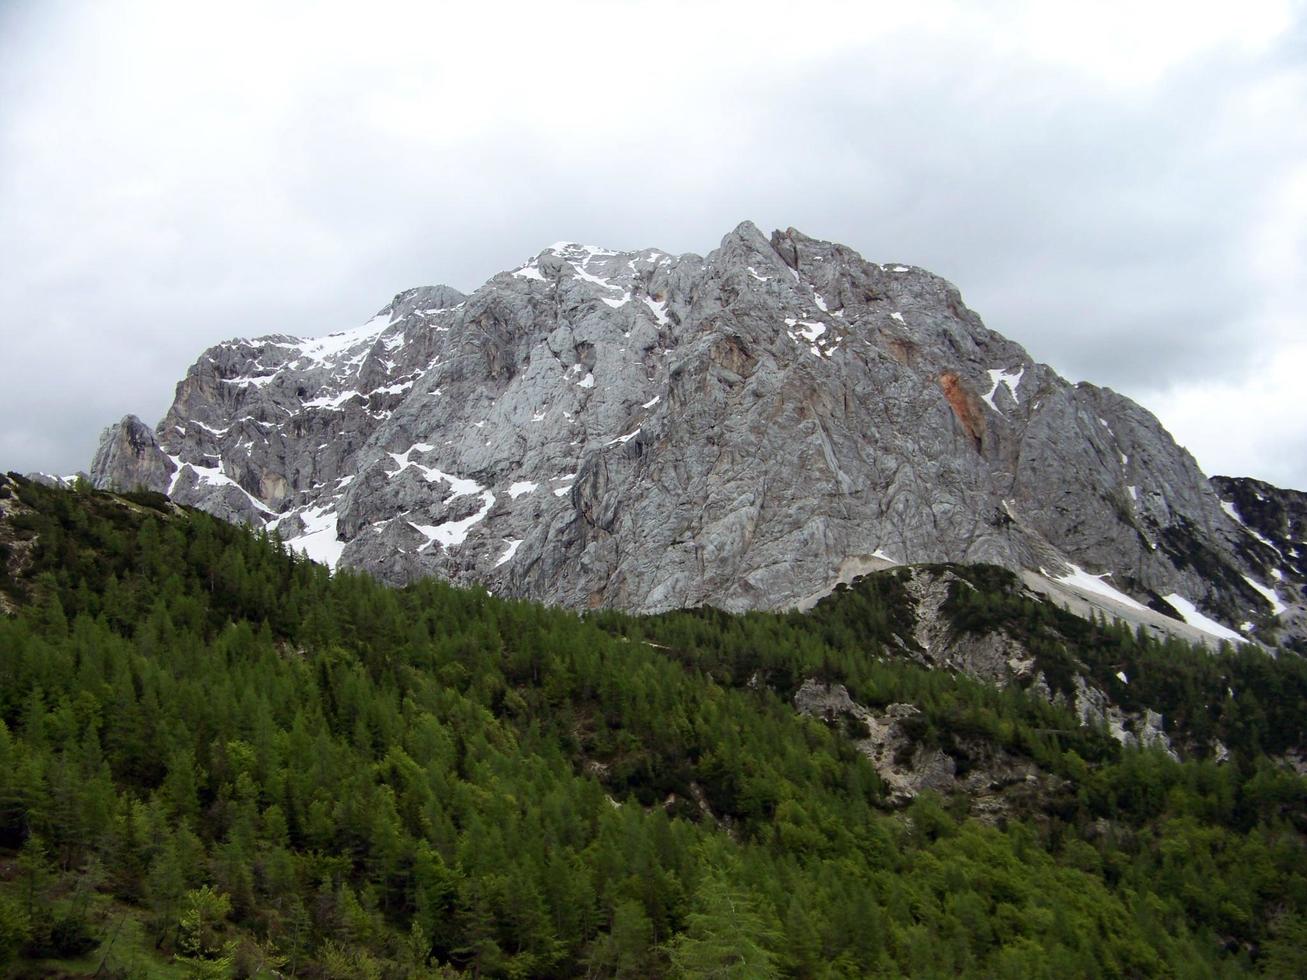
{"x":994,"y":779}
{"x":1274,"y":546}
{"x":129,"y":457}
{"x":648,"y":431}
{"x":906,"y":768}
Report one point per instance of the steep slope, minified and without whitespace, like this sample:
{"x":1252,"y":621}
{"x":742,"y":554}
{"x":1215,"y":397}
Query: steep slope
{"x":1274,"y":546}
{"x":648,"y":431}
{"x":217,"y":759}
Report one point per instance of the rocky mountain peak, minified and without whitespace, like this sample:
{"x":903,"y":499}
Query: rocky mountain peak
{"x":645,"y":430}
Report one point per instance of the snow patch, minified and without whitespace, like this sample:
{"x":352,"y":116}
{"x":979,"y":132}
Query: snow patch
{"x":624,"y":439}
{"x":459,"y":486}
{"x":332,"y":402}
{"x":319,"y":541}
{"x":253,"y":381}
{"x":1081,"y":579}
{"x":595,"y":280}
{"x":1002,"y":376}
{"x":1267,"y":594}
{"x":569,"y":477}
{"x":451,"y":534}
{"x":507,"y":556}
{"x":1190,"y":614}
{"x":521,"y":487}
{"x":659,"y":310}
{"x":325,"y":348}
{"x":811,"y":330}
{"x":394,"y":389}
{"x":587,"y":382}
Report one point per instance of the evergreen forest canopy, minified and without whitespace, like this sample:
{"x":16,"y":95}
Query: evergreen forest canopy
{"x":219,"y":760}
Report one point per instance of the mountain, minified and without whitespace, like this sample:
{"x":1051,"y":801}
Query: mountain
{"x":647,"y":431}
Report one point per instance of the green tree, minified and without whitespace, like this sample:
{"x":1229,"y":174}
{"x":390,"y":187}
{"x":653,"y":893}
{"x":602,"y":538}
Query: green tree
{"x":15,"y":928}
{"x":201,"y":944}
{"x":725,"y":937}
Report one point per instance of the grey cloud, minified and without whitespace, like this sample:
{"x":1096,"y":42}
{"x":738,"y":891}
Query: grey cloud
{"x":1104,"y":228}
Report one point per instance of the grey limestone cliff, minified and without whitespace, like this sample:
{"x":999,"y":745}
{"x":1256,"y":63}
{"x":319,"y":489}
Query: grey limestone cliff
{"x":647,"y":431}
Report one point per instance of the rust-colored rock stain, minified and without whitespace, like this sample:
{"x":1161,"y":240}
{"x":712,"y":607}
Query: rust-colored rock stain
{"x":965,"y":405}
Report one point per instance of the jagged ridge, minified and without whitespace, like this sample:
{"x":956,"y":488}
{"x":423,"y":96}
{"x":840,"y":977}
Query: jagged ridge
{"x":649,"y":431}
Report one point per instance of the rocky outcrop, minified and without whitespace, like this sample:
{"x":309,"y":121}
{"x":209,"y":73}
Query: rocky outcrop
{"x":906,"y":768}
{"x":648,"y":431}
{"x":993,"y":656}
{"x":994,"y":780}
{"x":1093,"y":707}
{"x":129,"y":457}
{"x":1273,"y":546}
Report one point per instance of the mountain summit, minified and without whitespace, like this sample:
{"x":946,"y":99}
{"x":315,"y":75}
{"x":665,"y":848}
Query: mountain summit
{"x":649,"y":431}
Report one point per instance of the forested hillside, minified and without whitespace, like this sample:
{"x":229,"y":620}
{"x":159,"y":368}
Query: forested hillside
{"x":217,"y":759}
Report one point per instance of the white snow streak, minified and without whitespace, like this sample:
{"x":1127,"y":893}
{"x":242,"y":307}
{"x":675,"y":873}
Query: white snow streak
{"x":1005,"y":377}
{"x":332,"y":402}
{"x":450,"y":534}
{"x":659,"y":310}
{"x":319,"y":542}
{"x":811,"y":330}
{"x":459,"y":486}
{"x":1268,"y":594}
{"x":1081,"y":579}
{"x":1189,"y":612}
{"x":507,"y":556}
{"x":624,"y":439}
{"x":325,"y":348}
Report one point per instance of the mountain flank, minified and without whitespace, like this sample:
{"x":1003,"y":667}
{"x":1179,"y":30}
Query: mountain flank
{"x":645,"y":431}
{"x":219,"y":759}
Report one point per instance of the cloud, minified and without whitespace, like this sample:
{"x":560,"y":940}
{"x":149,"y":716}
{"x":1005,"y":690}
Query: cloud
{"x":1117,"y":187}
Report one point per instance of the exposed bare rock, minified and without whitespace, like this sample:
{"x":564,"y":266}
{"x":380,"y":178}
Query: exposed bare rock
{"x":1273,"y":544}
{"x":648,"y":431}
{"x":994,"y":780}
{"x":993,"y":656}
{"x":1093,"y":707}
{"x":129,"y":457}
{"x":906,"y":768}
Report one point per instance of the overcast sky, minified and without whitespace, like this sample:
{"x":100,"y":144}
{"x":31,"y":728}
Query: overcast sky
{"x":1120,"y":187}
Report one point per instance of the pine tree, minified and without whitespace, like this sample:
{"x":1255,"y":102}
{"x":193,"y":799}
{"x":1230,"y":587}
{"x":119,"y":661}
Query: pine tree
{"x":725,"y":936}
